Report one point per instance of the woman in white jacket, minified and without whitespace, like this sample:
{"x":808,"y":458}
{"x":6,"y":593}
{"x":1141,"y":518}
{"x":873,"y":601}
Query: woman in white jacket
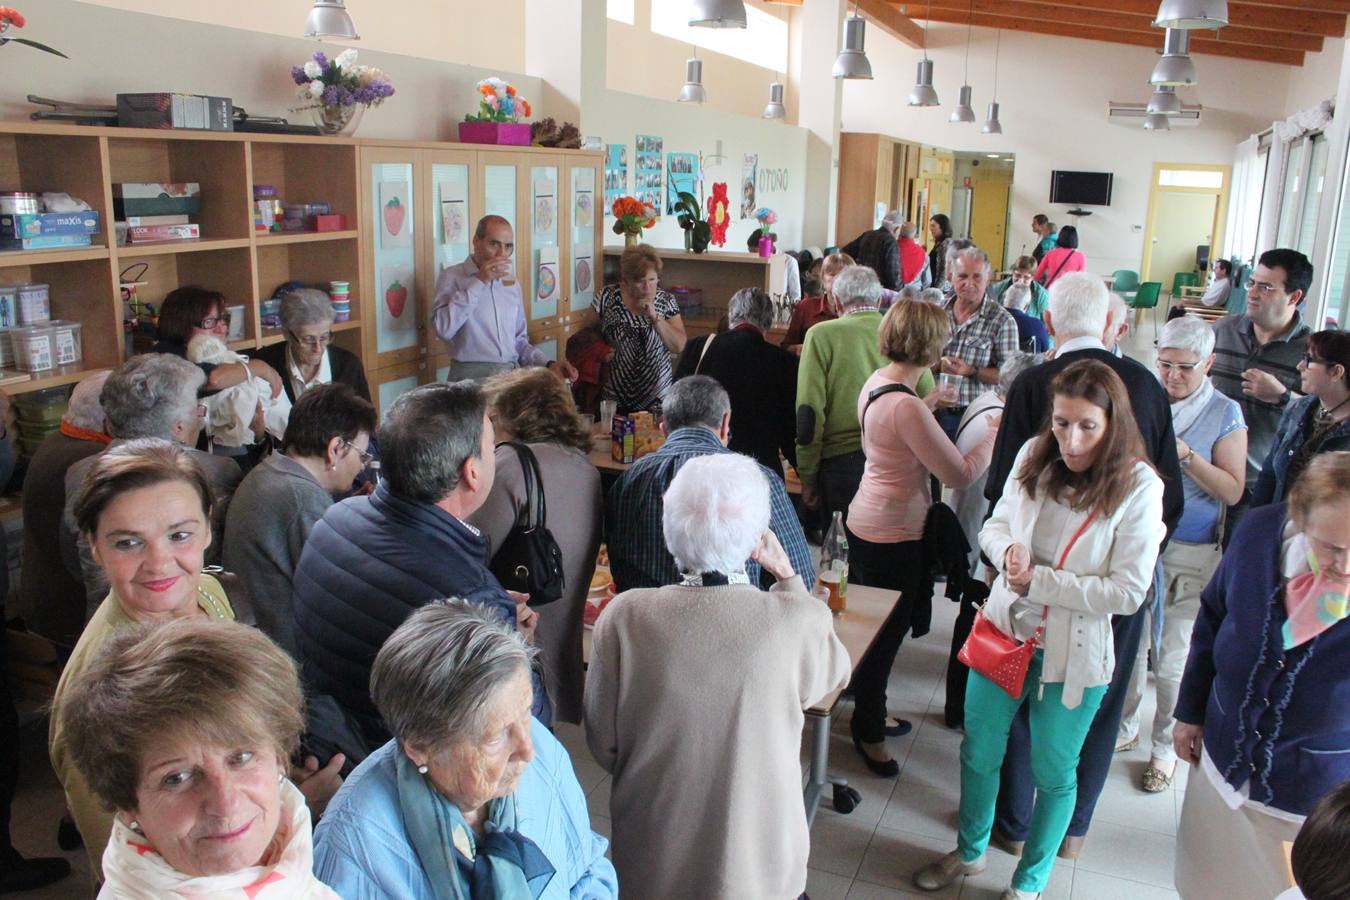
{"x":1074,"y":539}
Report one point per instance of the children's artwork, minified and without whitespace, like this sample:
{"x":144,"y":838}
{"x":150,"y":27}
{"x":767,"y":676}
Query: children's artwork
{"x":649,"y":174}
{"x":548,"y":281}
{"x":748,"y":185}
{"x":719,"y":213}
{"x":394,"y":224}
{"x":583,"y":215}
{"x":543,"y":214}
{"x":396,"y":326}
{"x":546,"y":286}
{"x":616,"y":174}
{"x":396,"y":291}
{"x":682,"y":175}
{"x":453,"y":224}
{"x":545,"y":208}
{"x":582,"y":272}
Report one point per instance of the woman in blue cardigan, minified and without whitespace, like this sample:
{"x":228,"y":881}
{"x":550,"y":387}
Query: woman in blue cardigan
{"x":1264,"y":709}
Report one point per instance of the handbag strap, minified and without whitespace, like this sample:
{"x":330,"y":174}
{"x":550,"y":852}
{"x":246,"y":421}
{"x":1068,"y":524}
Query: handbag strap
{"x":1045,"y":610}
{"x":535,"y":512}
{"x":872,"y":396}
{"x":706,"y":345}
{"x":1062,"y":263}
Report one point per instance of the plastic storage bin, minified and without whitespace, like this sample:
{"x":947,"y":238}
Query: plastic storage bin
{"x":34,"y":349}
{"x":9,"y":303}
{"x":34,"y":306}
{"x":67,"y":349}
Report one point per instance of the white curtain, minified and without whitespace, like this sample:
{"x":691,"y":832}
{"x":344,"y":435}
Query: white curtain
{"x":1291,"y":129}
{"x":1244,"y":203}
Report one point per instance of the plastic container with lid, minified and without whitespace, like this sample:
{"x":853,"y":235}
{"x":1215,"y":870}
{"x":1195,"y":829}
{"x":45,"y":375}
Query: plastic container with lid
{"x":33,"y":305}
{"x":6,"y":350}
{"x":33,"y":348}
{"x":18,"y":203}
{"x":67,"y":349}
{"x":9,"y":302}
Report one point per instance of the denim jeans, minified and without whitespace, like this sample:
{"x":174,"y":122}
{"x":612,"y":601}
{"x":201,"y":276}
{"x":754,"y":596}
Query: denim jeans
{"x":837,"y":481}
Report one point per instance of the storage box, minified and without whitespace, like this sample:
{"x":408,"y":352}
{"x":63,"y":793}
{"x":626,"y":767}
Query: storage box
{"x":33,"y":348}
{"x":67,"y":349}
{"x":9,"y":303}
{"x":689,"y":299}
{"x":171,"y":110}
{"x":331,"y":222}
{"x":623,"y":435}
{"x":33,"y":225}
{"x":515,"y":134}
{"x":47,"y":242}
{"x":33,"y":306}
{"x":157,"y":199}
{"x":145,"y":234}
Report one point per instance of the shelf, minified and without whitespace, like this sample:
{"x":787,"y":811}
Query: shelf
{"x":305,"y":237}
{"x":711,"y":256}
{"x":10,"y":258}
{"x":276,"y":336}
{"x":49,"y":380}
{"x":161,"y":248}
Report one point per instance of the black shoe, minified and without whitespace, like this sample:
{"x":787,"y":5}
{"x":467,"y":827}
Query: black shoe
{"x":19,"y":874}
{"x":888,"y":769}
{"x":901,"y":727}
{"x":68,"y":837}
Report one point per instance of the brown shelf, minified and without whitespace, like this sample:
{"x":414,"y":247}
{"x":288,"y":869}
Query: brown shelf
{"x":160,"y":248}
{"x":305,"y":237}
{"x":11,"y":258}
{"x":49,"y":380}
{"x":275,"y":335}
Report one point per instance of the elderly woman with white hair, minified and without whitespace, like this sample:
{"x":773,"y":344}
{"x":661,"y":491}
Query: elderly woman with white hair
{"x":472,"y":797}
{"x":695,"y":699}
{"x":1212,"y":447}
{"x":308,"y":356}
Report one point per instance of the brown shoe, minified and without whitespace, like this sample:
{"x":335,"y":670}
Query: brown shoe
{"x":1000,"y":839}
{"x":1072,"y":846}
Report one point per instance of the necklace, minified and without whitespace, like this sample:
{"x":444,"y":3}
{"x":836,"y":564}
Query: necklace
{"x":1326,"y":416}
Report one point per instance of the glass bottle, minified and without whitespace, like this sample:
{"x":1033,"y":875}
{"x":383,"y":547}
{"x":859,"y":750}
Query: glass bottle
{"x":834,"y":565}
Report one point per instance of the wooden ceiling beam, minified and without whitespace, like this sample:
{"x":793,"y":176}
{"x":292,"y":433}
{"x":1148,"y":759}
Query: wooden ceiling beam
{"x":1342,"y":7}
{"x":1087,"y":32}
{"x":889,"y":19}
{"x":1049,"y":12}
{"x":1240,"y":15}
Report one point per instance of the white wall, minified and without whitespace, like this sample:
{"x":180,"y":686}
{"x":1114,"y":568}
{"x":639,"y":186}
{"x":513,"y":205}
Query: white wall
{"x":1316,"y":80}
{"x":1054,"y":94}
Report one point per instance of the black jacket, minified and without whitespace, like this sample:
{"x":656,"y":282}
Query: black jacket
{"x":1027,"y":410}
{"x":878,"y":251}
{"x":761,"y":380}
{"x":345,"y":365}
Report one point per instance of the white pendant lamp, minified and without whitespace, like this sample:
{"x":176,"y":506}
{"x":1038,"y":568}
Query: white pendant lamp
{"x":329,"y":19}
{"x":923,"y":93}
{"x":1164,"y":102}
{"x":717,"y":14}
{"x":1157,"y":123}
{"x":775,"y":109}
{"x":693,"y":91}
{"x":852,"y":60}
{"x":1176,"y":66}
{"x":1192,"y":14}
{"x":964,"y":112}
{"x":991,"y":123}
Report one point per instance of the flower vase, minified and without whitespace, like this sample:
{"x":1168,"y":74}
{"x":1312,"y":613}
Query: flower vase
{"x":765,"y":246}
{"x":338,"y":119}
{"x":689,"y":240}
{"x":630,"y":239}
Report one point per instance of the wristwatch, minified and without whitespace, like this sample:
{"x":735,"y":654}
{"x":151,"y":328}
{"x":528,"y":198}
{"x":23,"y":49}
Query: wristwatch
{"x":1286,"y":396}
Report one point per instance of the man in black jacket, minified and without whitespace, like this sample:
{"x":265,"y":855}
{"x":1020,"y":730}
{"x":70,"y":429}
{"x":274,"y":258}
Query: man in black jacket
{"x":879,"y":251}
{"x":759,"y":377}
{"x":1078,"y":317}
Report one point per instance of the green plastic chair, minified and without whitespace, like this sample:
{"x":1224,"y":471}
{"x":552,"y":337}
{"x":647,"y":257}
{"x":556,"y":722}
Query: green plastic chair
{"x":1147,"y":298}
{"x":1237,"y":297}
{"x":1184,"y":279}
{"x":1125,"y":283}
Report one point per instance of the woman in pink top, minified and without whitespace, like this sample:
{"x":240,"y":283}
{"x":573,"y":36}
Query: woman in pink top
{"x":903,"y":443}
{"x":1065,"y":258}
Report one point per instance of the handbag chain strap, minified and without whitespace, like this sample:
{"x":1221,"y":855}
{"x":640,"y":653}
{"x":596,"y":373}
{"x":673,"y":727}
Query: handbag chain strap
{"x":1045,"y":610}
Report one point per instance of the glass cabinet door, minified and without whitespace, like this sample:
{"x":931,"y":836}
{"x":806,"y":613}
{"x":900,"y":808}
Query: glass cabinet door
{"x":397,"y":297}
{"x":543,"y":288}
{"x":584,"y":264}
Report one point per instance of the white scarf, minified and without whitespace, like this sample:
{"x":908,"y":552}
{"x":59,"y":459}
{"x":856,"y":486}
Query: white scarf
{"x":134,"y":871}
{"x":1186,"y":411}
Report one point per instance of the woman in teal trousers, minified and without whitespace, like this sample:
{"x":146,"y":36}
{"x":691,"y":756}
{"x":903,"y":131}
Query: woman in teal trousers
{"x":1074,"y":538}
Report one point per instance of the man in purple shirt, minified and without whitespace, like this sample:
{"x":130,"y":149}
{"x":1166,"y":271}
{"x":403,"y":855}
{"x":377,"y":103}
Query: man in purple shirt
{"x":479,"y":313}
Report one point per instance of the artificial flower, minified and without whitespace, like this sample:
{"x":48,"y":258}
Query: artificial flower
{"x":11,"y":16}
{"x":312,"y":69}
{"x":316,"y":88}
{"x":346,"y":59}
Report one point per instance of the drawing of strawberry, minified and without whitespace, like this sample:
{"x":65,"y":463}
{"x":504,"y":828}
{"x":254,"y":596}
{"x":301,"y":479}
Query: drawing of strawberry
{"x":396,"y":296}
{"x":393,"y":215}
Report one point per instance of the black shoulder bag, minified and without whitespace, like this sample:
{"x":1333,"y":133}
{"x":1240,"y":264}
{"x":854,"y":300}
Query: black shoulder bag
{"x":529,"y":560}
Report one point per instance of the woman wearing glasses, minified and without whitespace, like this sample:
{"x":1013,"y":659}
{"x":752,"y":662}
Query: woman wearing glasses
{"x":308,"y":356}
{"x":1212,"y":447}
{"x":189,"y":311}
{"x":1313,"y":424}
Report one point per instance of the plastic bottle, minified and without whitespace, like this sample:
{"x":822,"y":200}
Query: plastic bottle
{"x":834,"y":565}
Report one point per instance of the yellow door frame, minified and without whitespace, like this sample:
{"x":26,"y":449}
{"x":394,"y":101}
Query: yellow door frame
{"x":1220,"y":208}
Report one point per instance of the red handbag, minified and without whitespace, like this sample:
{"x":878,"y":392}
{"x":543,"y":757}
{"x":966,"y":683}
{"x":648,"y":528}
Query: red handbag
{"x":1003,"y":659}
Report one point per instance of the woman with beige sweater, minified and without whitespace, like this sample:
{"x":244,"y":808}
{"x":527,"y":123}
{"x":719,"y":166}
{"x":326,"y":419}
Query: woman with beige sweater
{"x":695,"y":698}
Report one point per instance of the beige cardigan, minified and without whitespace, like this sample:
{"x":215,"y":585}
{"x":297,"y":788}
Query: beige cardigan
{"x":694,"y":701}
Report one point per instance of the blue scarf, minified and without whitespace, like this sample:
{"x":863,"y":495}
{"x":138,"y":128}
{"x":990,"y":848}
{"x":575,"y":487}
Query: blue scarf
{"x":503,"y":865}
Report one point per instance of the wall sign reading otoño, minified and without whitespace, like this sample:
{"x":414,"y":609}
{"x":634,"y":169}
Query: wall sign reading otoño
{"x":773,"y":180}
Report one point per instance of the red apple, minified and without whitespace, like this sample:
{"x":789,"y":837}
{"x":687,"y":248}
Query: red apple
{"x":393,"y":216}
{"x":396,"y":296}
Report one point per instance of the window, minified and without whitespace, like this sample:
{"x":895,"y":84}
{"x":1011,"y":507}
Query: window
{"x":1192,"y":178}
{"x":763,"y":42}
{"x":620,"y":10}
{"x":1304,"y":175}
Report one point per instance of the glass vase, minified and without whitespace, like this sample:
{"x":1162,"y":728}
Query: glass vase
{"x":337,"y":119}
{"x":630,"y":239}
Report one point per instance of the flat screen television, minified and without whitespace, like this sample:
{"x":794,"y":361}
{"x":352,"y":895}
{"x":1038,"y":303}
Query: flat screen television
{"x":1081,"y":188}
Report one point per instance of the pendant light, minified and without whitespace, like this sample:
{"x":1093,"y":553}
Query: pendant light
{"x":991,"y":123}
{"x":1164,"y":102}
{"x":1176,"y":66}
{"x":923,"y":93}
{"x":852,"y":60}
{"x":717,"y":14}
{"x":1192,"y":14}
{"x":1157,"y":123}
{"x":329,"y":19}
{"x":963,"y":111}
{"x":693,"y":91}
{"x":775,"y":108}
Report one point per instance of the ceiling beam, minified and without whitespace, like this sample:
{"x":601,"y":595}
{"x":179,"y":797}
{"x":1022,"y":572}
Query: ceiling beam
{"x":1242,"y":15}
{"x":1333,"y":6}
{"x":1087,"y":32}
{"x":890,"y":20}
{"x":1049,"y":12}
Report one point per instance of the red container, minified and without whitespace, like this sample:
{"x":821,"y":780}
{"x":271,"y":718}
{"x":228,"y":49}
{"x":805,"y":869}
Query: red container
{"x":516,"y":134}
{"x":334,"y":222}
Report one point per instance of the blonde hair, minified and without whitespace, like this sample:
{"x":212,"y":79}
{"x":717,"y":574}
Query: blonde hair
{"x":1326,"y":480}
{"x":914,"y":331}
{"x":835,"y":263}
{"x":635,"y":262}
{"x":536,"y":407}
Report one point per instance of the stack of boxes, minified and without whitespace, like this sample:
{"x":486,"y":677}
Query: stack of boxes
{"x":30,"y":340}
{"x":156,"y":212}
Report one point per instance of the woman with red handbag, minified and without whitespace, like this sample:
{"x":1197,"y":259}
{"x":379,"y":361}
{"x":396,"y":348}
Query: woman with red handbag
{"x":1074,"y":538}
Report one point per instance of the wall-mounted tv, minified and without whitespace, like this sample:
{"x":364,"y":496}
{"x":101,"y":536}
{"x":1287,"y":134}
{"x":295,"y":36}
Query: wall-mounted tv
{"x":1081,"y":188}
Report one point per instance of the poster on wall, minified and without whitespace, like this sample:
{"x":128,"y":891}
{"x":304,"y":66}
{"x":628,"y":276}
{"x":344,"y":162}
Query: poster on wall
{"x":616,"y":174}
{"x":748,"y":185}
{"x":395,"y":230}
{"x":682,"y":175}
{"x":649,"y":173}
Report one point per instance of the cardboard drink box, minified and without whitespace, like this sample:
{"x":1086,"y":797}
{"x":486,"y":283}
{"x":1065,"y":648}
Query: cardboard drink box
{"x":624,"y":436}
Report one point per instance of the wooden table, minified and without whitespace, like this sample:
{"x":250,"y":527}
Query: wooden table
{"x":603,"y":460}
{"x":1189,"y":301}
{"x":857,"y":629}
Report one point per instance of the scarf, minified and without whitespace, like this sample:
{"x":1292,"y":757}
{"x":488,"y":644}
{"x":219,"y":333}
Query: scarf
{"x":1313,"y":601}
{"x":84,"y":434}
{"x":1186,"y":411}
{"x":713,"y":579}
{"x":503,"y":865}
{"x":136,"y":872}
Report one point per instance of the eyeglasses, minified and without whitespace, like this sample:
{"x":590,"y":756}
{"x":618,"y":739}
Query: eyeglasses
{"x":212,"y":321}
{"x":314,"y":342}
{"x":1183,"y":368}
{"x":1267,"y":290}
{"x":200,"y":410}
{"x":366,"y":456}
{"x":1308,"y":359}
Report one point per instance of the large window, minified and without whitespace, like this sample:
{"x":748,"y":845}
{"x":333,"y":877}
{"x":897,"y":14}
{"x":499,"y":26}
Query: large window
{"x":763,"y":42}
{"x":1304,"y":175}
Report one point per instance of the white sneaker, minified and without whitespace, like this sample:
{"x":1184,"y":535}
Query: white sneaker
{"x":936,"y":876}
{"x":1013,"y":893}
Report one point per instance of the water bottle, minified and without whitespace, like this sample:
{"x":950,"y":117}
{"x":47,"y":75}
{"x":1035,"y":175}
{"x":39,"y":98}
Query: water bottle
{"x":834,"y":565}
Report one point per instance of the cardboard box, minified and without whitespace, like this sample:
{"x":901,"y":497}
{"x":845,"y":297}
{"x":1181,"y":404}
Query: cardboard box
{"x":140,"y":221}
{"x":46,"y":242}
{"x":333,"y":222}
{"x":147,"y":233}
{"x":132,"y":199}
{"x":624,"y":438}
{"x":32,"y":225}
{"x":170,"y":110}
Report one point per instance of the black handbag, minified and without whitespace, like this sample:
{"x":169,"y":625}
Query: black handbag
{"x":529,"y":560}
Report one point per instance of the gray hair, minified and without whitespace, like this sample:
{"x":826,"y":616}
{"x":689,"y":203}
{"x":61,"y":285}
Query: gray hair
{"x":955,"y":246}
{"x":305,"y":306}
{"x":427,"y":436}
{"x":691,"y":402}
{"x":908,"y":230}
{"x":434,"y":679}
{"x":968,"y":251}
{"x":148,"y":394}
{"x":932,"y":295}
{"x":893,"y":219}
{"x":910,"y":292}
{"x":1080,"y":306}
{"x":1015,"y":365}
{"x":857,"y":286}
{"x":1190,"y":333}
{"x":752,"y":305}
{"x":714,"y":512}
{"x":85,"y":410}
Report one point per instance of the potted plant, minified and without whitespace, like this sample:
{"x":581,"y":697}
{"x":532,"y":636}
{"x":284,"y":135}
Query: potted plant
{"x":500,"y":109}
{"x":697,"y":231}
{"x":337,"y":91}
{"x":766,"y":219}
{"x":631,"y":216}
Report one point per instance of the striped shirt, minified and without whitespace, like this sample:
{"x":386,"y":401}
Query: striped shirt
{"x":639,"y":373}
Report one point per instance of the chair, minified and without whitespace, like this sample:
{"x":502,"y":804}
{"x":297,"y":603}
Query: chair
{"x":1125,"y":283}
{"x":1147,"y":298}
{"x":1237,"y":297}
{"x":1184,"y":279}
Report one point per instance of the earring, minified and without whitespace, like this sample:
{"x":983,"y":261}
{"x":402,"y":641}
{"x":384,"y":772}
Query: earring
{"x":135,"y":826}
{"x":421,"y":770}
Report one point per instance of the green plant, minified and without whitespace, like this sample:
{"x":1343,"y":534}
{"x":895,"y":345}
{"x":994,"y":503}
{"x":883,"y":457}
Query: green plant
{"x":692,"y":221}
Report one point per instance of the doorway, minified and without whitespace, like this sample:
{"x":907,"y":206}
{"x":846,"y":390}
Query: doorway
{"x":1187,"y":208}
{"x":986,"y":180}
